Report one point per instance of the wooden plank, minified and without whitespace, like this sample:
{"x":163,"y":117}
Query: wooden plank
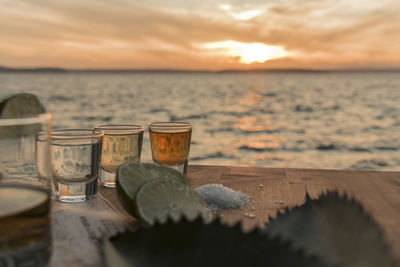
{"x":268,"y":191}
{"x":110,"y":194}
{"x":273,"y":189}
{"x":377,"y":192}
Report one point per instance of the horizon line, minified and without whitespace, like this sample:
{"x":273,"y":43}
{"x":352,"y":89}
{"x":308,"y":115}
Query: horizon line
{"x":166,"y":70}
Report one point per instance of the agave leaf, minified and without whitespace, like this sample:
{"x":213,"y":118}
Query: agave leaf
{"x":113,"y":256}
{"x":336,"y":229}
{"x":193,"y":243}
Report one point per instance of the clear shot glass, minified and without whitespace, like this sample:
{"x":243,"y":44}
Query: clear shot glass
{"x":170,"y":143}
{"x":76,"y":163}
{"x":122,"y":143}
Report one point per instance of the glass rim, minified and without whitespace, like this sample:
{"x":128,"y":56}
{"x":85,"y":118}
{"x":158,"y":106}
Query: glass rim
{"x":76,"y":134}
{"x":171,"y":125}
{"x":117,"y":129}
{"x":43,"y":136}
{"x":33,"y":119}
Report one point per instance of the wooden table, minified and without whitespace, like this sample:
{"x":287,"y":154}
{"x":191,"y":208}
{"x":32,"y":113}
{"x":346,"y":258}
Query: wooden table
{"x":272,"y":189}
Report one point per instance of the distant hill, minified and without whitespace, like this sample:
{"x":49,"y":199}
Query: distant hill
{"x":5,"y":69}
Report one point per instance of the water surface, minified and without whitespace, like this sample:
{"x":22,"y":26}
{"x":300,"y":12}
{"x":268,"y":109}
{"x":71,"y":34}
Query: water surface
{"x":305,"y":120}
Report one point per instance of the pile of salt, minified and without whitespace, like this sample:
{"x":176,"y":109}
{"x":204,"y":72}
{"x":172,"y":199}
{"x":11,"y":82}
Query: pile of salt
{"x":219,"y":197}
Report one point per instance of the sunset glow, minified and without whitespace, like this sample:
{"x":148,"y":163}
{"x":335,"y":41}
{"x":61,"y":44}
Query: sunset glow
{"x":204,"y":35}
{"x":248,"y":53}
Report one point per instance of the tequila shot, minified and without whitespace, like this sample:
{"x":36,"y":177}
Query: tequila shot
{"x":122,"y":143}
{"x":76,"y":163}
{"x":170,"y":143}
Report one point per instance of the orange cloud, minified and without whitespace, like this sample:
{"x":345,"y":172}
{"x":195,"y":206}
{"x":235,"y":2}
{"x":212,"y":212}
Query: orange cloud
{"x":129,"y":34}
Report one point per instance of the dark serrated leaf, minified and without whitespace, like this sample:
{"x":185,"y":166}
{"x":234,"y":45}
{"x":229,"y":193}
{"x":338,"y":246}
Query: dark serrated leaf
{"x":197,"y":244}
{"x":336,"y":229}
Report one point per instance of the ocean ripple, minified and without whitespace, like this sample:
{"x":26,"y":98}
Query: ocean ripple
{"x":329,"y":120}
{"x":371,"y":164}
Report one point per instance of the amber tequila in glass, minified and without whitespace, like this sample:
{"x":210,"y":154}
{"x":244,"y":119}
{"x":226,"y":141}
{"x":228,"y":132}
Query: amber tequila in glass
{"x":170,"y":143}
{"x":121,"y":144}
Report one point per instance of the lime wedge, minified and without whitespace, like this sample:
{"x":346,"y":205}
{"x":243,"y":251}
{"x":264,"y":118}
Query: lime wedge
{"x":160,"y":199}
{"x":131,"y":176}
{"x":21,"y":105}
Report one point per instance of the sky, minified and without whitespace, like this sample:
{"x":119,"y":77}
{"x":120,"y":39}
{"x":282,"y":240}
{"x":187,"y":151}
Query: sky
{"x":201,"y":34}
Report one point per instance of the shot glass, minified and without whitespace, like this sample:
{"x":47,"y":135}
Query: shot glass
{"x":76,"y":163}
{"x":122,"y":143}
{"x":170,"y":143}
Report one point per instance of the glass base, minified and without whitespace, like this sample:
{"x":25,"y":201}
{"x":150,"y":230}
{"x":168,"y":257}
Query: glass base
{"x":107,"y":178}
{"x":182,"y":168}
{"x":76,"y":192}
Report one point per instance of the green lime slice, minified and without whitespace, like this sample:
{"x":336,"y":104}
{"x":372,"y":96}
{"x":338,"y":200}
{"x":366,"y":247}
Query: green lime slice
{"x":131,"y":176}
{"x":160,"y":199}
{"x":21,"y":105}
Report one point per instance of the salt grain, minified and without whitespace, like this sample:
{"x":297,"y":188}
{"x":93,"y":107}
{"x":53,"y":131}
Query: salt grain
{"x":279,"y":202}
{"x":252,"y":215}
{"x":220,"y":197}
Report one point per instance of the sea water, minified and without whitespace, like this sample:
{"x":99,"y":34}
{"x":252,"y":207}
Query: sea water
{"x":305,"y":120}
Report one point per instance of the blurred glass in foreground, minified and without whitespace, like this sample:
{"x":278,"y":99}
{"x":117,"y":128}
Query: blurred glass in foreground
{"x":25,"y":189}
